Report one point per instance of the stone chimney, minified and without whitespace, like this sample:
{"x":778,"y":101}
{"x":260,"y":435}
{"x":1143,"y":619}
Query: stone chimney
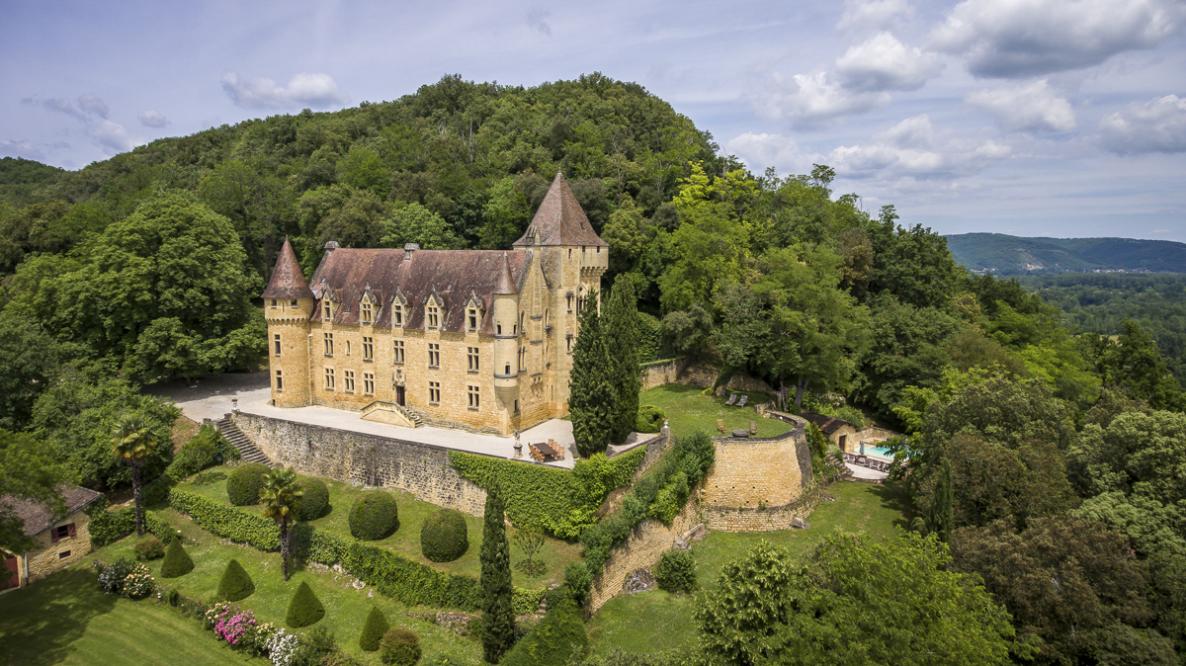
{"x":330,"y":246}
{"x":409,"y":249}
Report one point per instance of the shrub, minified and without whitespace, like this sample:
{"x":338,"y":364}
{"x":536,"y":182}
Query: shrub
{"x":138,"y":583}
{"x":205,"y":449}
{"x":149,"y":548}
{"x":374,"y":516}
{"x":557,"y":639}
{"x":314,"y":500}
{"x":317,"y":648}
{"x":374,"y":629}
{"x":444,"y":537}
{"x":650,"y":419}
{"x":304,"y":609}
{"x":177,"y":561}
{"x":111,"y":577}
{"x":244,"y":483}
{"x":400,"y":647}
{"x":676,"y":571}
{"x":235,"y":583}
{"x":670,"y":499}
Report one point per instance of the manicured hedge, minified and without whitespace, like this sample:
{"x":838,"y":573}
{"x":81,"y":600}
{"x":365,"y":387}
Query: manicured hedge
{"x":563,"y":502}
{"x":304,"y":609}
{"x":374,"y":516}
{"x":650,"y":419}
{"x":555,"y":641}
{"x":235,"y":584}
{"x":314,"y":498}
{"x":244,"y":483}
{"x":444,"y":537}
{"x":372,"y":631}
{"x":411,"y":582}
{"x":400,"y":647}
{"x":676,"y":571}
{"x":177,"y":562}
{"x":107,"y":527}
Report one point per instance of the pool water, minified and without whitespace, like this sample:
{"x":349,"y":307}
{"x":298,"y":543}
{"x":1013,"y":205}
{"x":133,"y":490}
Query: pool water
{"x":879,"y":451}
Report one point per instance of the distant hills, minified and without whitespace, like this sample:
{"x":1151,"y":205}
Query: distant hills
{"x":1015,"y":255}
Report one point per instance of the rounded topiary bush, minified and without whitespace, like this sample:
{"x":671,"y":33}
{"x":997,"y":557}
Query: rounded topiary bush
{"x":650,"y":419}
{"x":314,"y":498}
{"x":444,"y":537}
{"x":374,"y":629}
{"x":235,"y":584}
{"x":177,"y":561}
{"x":374,"y":516}
{"x":676,"y":571}
{"x":242,"y":486}
{"x":149,"y":548}
{"x":304,"y":609}
{"x":400,"y":647}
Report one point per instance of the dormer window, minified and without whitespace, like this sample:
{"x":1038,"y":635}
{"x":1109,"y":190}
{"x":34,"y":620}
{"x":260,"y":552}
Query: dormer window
{"x":366,"y":312}
{"x":432,"y":315}
{"x":397,"y":314}
{"x":327,"y":309}
{"x":471,"y":319}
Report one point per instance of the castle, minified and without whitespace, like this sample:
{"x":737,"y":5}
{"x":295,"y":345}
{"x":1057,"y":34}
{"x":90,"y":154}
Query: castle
{"x":480,"y":339}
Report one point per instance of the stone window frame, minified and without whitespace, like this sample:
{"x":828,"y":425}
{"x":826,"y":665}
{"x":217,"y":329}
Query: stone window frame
{"x":368,"y":383}
{"x":347,"y":346}
{"x":397,"y":313}
{"x":434,"y":393}
{"x":473,"y":396}
{"x":276,"y":345}
{"x":434,"y":356}
{"x":397,"y":349}
{"x":328,"y":339}
{"x":366,"y":311}
{"x":348,"y":380}
{"x":432,"y":314}
{"x":473,"y":319}
{"x":327,"y":309}
{"x":368,"y":348}
{"x":330,"y":380}
{"x":279,"y":380}
{"x":473,"y":360}
{"x":522,"y":359}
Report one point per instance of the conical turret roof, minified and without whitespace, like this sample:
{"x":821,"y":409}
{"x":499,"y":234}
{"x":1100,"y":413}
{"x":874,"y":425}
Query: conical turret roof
{"x":506,"y":283}
{"x":287,"y":281}
{"x":560,"y":220}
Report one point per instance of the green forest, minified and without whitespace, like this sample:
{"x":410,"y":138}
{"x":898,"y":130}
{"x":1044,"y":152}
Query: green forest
{"x":1032,"y":452}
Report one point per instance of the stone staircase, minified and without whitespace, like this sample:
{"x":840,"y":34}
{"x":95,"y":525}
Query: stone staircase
{"x":247,"y":451}
{"x":392,"y":413}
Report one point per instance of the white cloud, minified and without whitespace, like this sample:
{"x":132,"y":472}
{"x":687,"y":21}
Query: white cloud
{"x":884,"y":63}
{"x":305,"y":89}
{"x":93,"y":105}
{"x":914,"y":148}
{"x":153,"y":118}
{"x":91,"y":112}
{"x":21,"y":148}
{"x":111,"y":136}
{"x":873,"y":13}
{"x":1032,"y":107}
{"x":761,"y":149}
{"x":1018,"y":38}
{"x":808,"y":98}
{"x":1157,"y":126}
{"x":537,"y":20}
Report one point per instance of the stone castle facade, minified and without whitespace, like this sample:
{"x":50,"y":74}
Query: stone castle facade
{"x":480,"y":339}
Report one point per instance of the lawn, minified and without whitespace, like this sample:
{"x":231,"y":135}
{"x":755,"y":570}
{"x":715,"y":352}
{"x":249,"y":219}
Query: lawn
{"x":858,"y":507}
{"x":555,"y":554}
{"x":689,"y":410}
{"x":65,"y":619}
{"x":346,"y":608}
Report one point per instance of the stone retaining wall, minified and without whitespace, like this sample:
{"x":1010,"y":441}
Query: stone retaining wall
{"x":642,"y":550}
{"x":757,"y":484}
{"x":420,"y":469}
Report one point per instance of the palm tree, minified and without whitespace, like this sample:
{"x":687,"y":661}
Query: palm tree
{"x":280,"y":497}
{"x":136,"y":444}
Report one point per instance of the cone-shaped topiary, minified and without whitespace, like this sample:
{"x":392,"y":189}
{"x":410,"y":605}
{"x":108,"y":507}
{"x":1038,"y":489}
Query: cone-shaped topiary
{"x":374,"y":516}
{"x":177,"y":561}
{"x":304,"y":609}
{"x":400,"y":647}
{"x":244,"y":483}
{"x":314,"y":498}
{"x":372,"y":632}
{"x":498,"y":615}
{"x":235,"y":583}
{"x":444,"y":538}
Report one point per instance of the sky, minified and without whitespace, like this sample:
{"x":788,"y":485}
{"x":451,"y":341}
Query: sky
{"x":1031,"y":117}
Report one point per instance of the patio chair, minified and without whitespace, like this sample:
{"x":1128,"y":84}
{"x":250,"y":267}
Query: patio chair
{"x":732,"y":399}
{"x":744,"y":399}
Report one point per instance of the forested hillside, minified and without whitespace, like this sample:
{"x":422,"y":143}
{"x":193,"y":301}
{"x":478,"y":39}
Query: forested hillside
{"x":1014,"y":255}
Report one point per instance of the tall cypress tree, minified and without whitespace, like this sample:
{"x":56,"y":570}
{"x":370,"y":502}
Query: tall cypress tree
{"x":942,"y":518}
{"x":620,"y":329}
{"x":591,"y":397}
{"x":498,"y":617}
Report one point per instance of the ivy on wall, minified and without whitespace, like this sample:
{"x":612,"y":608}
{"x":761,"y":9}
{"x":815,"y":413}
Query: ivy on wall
{"x":558,"y":501}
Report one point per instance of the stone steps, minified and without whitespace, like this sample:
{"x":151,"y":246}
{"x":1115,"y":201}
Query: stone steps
{"x":247,"y":450}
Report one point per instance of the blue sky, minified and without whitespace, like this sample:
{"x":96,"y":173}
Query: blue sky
{"x":1032,"y":117}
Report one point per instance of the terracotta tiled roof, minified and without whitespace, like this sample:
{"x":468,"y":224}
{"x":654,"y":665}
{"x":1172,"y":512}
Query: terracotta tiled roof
{"x":38,"y":516}
{"x":560,"y":220}
{"x":827,"y":424}
{"x":454,"y":277}
{"x":287,"y":281}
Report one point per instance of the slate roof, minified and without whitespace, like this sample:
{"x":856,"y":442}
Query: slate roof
{"x":287,"y":282}
{"x":827,"y":424}
{"x":38,"y":516}
{"x":453,"y":277}
{"x":560,"y":220}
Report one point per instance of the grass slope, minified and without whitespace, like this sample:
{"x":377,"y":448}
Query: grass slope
{"x":555,"y":554}
{"x":65,"y":619}
{"x":619,"y":625}
{"x":690,"y":411}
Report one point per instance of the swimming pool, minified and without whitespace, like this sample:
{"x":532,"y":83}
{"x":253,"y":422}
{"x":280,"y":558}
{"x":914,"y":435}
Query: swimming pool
{"x":877,"y":451}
